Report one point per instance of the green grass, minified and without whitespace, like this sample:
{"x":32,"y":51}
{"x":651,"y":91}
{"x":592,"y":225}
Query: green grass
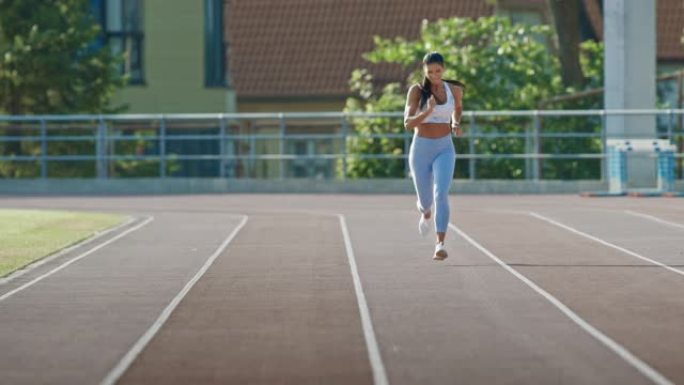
{"x":29,"y":235}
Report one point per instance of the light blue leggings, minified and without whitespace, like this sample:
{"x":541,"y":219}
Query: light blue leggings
{"x":432,"y":167}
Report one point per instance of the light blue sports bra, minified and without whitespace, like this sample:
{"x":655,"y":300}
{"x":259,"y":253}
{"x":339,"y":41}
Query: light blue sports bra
{"x":442,"y":112}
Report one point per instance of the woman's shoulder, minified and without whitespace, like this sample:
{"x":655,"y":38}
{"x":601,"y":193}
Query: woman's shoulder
{"x":415,"y":87}
{"x":456,"y":87}
{"x":415,"y":90}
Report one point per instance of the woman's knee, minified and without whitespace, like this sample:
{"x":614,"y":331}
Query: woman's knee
{"x":441,"y":194}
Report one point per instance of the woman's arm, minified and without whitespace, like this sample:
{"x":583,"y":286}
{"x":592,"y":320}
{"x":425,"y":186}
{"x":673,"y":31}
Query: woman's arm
{"x":458,"y":110}
{"x":411,"y":119}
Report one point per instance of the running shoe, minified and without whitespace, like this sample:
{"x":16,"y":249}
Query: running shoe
{"x":440,"y":252}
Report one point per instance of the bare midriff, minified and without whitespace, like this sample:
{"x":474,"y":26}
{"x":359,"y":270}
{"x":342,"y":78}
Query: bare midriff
{"x":433,"y":130}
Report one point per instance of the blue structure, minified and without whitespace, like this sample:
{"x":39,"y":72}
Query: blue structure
{"x":661,"y":149}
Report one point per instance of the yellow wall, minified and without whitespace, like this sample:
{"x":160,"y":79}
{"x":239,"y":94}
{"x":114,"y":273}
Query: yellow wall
{"x":249,"y":106}
{"x":174,"y":63}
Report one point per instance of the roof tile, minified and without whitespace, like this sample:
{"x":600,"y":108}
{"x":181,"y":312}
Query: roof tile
{"x":309,"y":47}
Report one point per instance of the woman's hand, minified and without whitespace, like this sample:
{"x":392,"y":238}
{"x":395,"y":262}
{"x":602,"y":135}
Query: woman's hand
{"x":456,"y":129}
{"x":431,"y":102}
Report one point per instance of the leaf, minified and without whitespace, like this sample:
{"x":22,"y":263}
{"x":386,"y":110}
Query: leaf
{"x":49,"y":46}
{"x":504,"y":65}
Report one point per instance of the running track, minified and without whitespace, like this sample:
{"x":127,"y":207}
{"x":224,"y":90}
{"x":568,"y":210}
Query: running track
{"x":340,"y":289}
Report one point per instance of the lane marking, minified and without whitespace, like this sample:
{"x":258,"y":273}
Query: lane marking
{"x":605,"y":243}
{"x":64,"y":251}
{"x":145,"y":339}
{"x":377,"y":366}
{"x":618,"y":349}
{"x":75,"y":259}
{"x":655,"y":219}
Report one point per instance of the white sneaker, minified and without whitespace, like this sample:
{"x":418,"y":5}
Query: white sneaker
{"x":440,"y":252}
{"x":423,"y":226}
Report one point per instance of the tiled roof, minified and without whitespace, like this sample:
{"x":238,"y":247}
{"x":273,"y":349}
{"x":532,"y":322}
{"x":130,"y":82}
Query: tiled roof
{"x":281,"y":48}
{"x":308,"y":48}
{"x":669,"y":26}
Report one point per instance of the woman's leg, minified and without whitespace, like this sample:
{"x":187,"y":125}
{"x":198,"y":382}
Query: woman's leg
{"x":421,"y":171}
{"x":443,"y":169}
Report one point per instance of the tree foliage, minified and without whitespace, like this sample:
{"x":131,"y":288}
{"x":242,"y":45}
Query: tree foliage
{"x":49,"y":63}
{"x":505,"y":66}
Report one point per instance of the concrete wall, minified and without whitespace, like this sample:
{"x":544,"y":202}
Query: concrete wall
{"x":630,"y":72}
{"x":208,"y":185}
{"x":174,"y":63}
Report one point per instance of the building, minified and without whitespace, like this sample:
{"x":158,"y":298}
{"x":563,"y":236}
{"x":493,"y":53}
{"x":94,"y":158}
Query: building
{"x":175,"y":53}
{"x":297,"y":55}
{"x":293,"y":55}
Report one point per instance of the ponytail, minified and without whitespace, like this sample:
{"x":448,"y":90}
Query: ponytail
{"x":426,"y":89}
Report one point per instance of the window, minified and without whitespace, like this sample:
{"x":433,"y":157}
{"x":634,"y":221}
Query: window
{"x":526,"y":17}
{"x":214,"y":47}
{"x":122,"y":24}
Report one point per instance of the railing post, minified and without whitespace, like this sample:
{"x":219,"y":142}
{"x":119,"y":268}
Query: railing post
{"x":680,"y":148}
{"x":407,"y":149}
{"x":252,"y":155}
{"x":100,"y":149}
{"x":345,"y":132}
{"x":472,"y":132}
{"x":162,"y":147}
{"x":222,"y":146}
{"x":670,"y":134}
{"x":281,"y":145}
{"x":43,"y":149}
{"x":528,"y":151}
{"x":604,"y":149}
{"x":680,"y":145}
{"x":535,"y":147}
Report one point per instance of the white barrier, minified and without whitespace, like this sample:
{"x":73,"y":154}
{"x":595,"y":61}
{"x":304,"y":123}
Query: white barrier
{"x":662,"y":149}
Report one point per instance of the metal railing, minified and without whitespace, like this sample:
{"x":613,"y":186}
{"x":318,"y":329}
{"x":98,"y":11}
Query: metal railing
{"x":522,"y":144}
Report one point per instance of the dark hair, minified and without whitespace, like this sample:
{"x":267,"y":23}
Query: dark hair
{"x":426,"y":85}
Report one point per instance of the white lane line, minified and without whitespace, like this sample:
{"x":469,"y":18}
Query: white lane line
{"x":60,"y":253}
{"x":654,"y":219}
{"x":145,"y":339}
{"x":75,"y":259}
{"x":618,"y":349}
{"x":605,"y":243}
{"x":378,"y":368}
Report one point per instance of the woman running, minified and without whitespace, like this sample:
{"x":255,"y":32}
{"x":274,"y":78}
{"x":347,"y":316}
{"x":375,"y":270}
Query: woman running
{"x":433,"y":112}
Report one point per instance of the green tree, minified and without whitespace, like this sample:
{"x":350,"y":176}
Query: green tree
{"x":48,"y":60}
{"x":566,"y":16}
{"x":492,"y":56}
{"x":591,"y":61}
{"x":387,"y":130}
{"x":504,"y":66}
{"x":50,"y":64}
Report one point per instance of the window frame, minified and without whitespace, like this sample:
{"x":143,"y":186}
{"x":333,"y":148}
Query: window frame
{"x":138,"y":36}
{"x":215,"y":63}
